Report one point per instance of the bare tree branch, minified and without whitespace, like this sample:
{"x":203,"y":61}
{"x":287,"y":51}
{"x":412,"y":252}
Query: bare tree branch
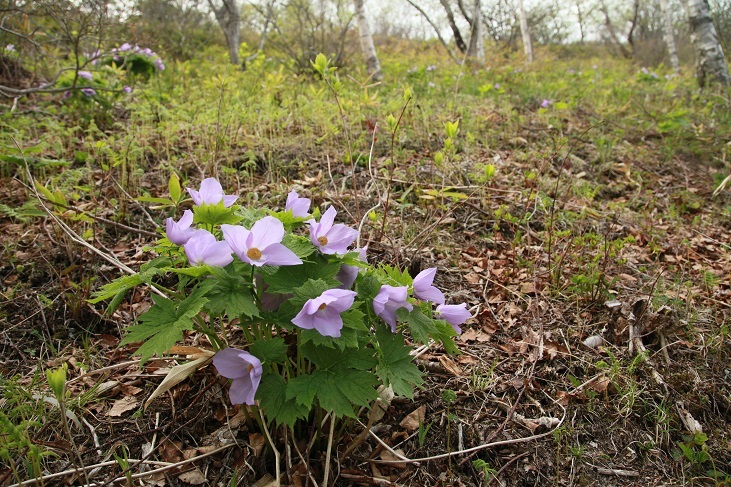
{"x":436,"y":30}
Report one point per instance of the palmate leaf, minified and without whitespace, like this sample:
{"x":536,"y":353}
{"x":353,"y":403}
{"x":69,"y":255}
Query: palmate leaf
{"x":272,"y":395}
{"x":232,"y":295}
{"x":163,"y":324}
{"x":342,"y":380}
{"x":420,"y":326}
{"x":395,"y":365}
{"x":286,"y":278}
{"x":271,"y":350}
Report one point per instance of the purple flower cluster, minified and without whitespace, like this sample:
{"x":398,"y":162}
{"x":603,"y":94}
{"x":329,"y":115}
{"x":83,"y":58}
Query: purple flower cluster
{"x":126,"y":49}
{"x":391,"y":298}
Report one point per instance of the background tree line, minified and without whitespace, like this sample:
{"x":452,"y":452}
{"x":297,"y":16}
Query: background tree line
{"x":43,"y":32}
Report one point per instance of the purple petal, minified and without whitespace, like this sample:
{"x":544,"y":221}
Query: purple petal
{"x":242,"y":391}
{"x":228,"y":363}
{"x":211,"y":191}
{"x":327,"y":220}
{"x":203,"y":248}
{"x":229,"y":200}
{"x":266,"y":232}
{"x":304,"y":319}
{"x":328,"y":322}
{"x":340,"y":299}
{"x":298,"y":206}
{"x":217,"y":254}
{"x":454,"y":314}
{"x":425,"y":278}
{"x":278,"y":254}
{"x":347,"y":275}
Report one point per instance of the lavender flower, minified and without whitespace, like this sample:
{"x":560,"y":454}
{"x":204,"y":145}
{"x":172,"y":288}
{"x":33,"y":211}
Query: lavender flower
{"x":299,"y":207}
{"x":211,"y":193}
{"x":545,"y":103}
{"x":203,"y":248}
{"x":127,"y":89}
{"x":388,"y":300}
{"x":423,"y":288}
{"x":348,"y":273}
{"x":88,"y":91}
{"x":323,"y":313}
{"x":180,"y":232}
{"x":329,"y":238}
{"x":454,"y":314}
{"x":496,"y":86}
{"x":85,"y":75}
{"x":10,"y":47}
{"x":244,"y":369}
{"x":262,"y":244}
{"x":430,"y":68}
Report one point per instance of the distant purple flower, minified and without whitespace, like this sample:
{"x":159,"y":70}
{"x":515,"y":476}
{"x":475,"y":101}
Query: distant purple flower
{"x":262,"y":244}
{"x":244,"y":369}
{"x":348,"y":273}
{"x":329,"y":238}
{"x":10,"y":47}
{"x":180,"y":232}
{"x":645,"y":70}
{"x":203,"y":248}
{"x":88,"y":91}
{"x":431,"y":84}
{"x":67,"y":95}
{"x":85,"y":75}
{"x":388,"y":300}
{"x":454,"y":314}
{"x":423,"y":288}
{"x":496,"y":86}
{"x":211,"y":193}
{"x":125,"y":47}
{"x":571,"y":71}
{"x":545,"y":103}
{"x":300,"y":207}
{"x":431,"y":67}
{"x":323,"y":313}
{"x":127,"y":89}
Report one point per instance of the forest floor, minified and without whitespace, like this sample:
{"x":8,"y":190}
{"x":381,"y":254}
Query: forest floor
{"x":598,"y":274}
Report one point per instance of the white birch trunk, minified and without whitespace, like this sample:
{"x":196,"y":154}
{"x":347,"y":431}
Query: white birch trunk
{"x":711,"y":63}
{"x":527,"y":45}
{"x":477,"y":45}
{"x":366,"y":42}
{"x":669,"y":36}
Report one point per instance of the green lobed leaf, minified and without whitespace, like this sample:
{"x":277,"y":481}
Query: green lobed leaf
{"x":214,"y":215}
{"x":420,"y":326}
{"x":271,"y":350}
{"x":163,"y":324}
{"x":342,"y":380}
{"x":301,"y":246}
{"x":272,"y":395}
{"x":287,"y":278}
{"x":231,"y":294}
{"x":395,"y":364}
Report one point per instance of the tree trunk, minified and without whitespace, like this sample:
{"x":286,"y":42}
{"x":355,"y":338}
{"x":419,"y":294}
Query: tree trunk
{"x":228,"y":17}
{"x":436,"y":30}
{"x":453,"y":24}
{"x":527,"y":45}
{"x":366,"y":42}
{"x":711,"y":63}
{"x":613,"y":33}
{"x":477,"y":46}
{"x":669,"y":37}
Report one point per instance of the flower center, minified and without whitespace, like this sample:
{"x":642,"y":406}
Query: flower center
{"x":253,"y":253}
{"x":322,"y":306}
{"x":250,"y":368}
{"x":322,"y":240}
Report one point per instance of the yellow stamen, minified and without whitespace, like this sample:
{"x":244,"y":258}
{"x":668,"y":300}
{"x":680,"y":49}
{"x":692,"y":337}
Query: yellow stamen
{"x":253,"y":253}
{"x":322,"y":240}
